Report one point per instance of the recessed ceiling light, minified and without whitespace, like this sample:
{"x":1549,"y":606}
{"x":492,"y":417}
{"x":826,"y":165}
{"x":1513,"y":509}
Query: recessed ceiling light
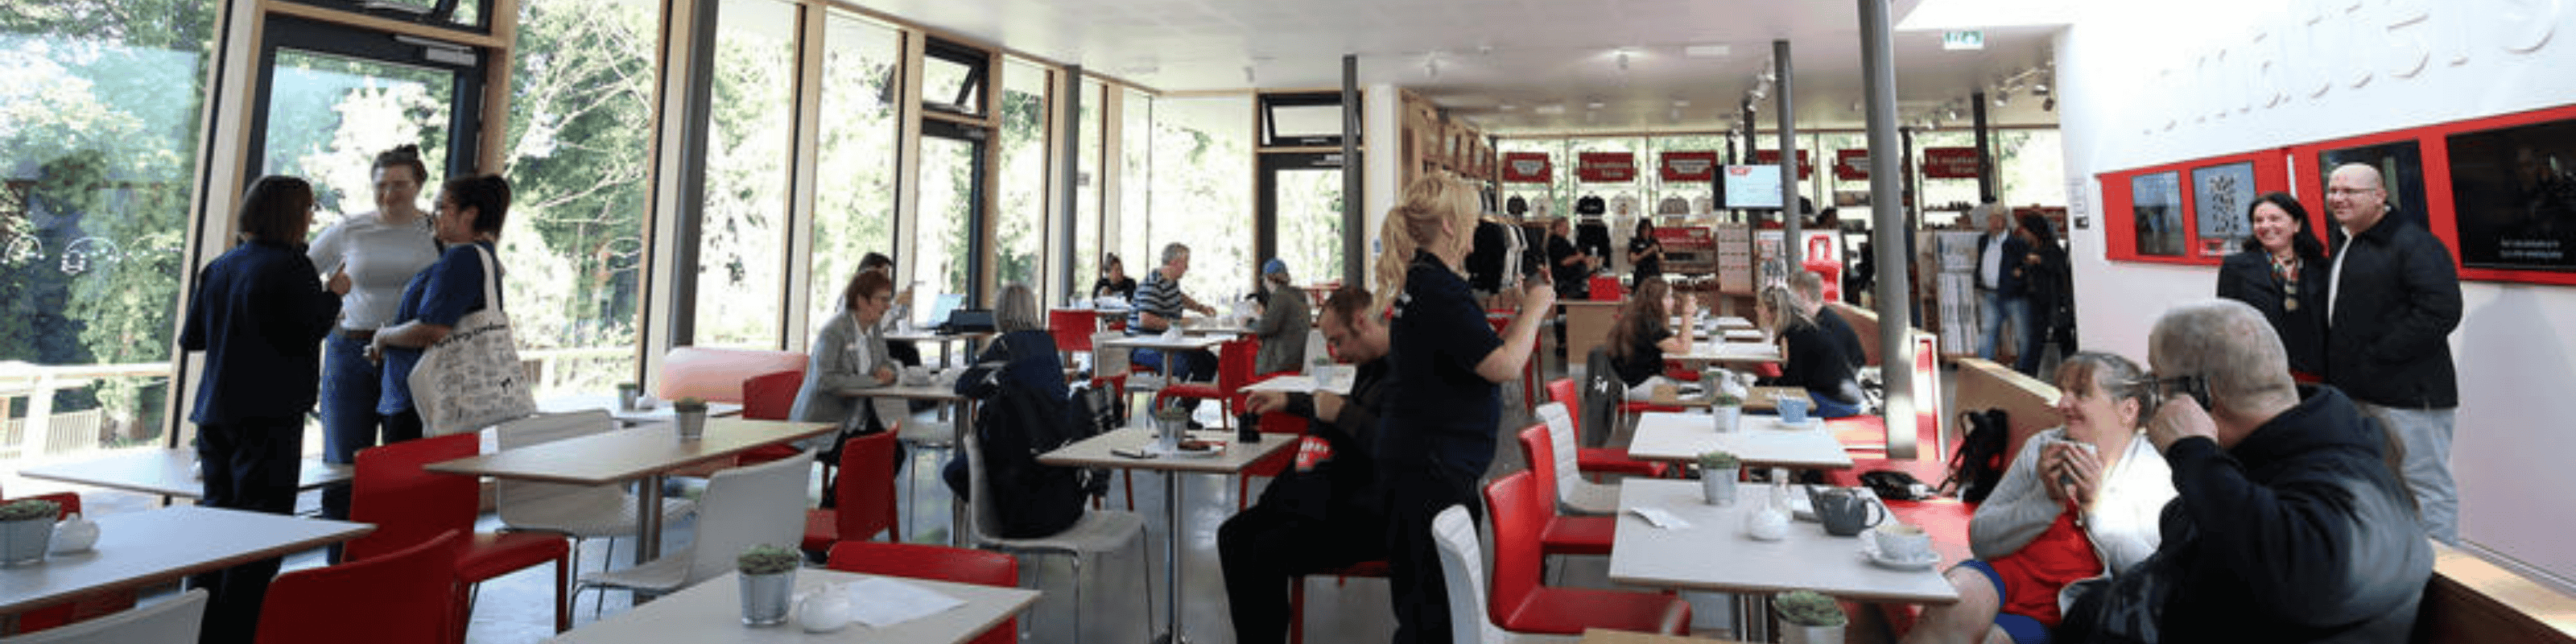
{"x":1594,"y":105}
{"x":1551,"y":108}
{"x":1507,"y":107}
{"x":1708,"y":51}
{"x":1681,"y":102}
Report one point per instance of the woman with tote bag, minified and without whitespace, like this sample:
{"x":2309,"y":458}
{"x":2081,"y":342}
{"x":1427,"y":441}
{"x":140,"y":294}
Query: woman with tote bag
{"x":450,"y":328}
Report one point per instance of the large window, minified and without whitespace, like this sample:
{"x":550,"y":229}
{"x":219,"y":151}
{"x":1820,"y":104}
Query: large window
{"x":99,"y":109}
{"x":1086,"y":188}
{"x":740,"y":268}
{"x":1020,"y":241}
{"x":854,"y":213}
{"x":581,"y":79}
{"x":1202,"y":192}
{"x":1136,"y":185}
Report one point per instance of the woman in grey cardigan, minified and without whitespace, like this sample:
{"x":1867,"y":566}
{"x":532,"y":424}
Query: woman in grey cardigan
{"x":850,"y":353}
{"x":1283,"y":324}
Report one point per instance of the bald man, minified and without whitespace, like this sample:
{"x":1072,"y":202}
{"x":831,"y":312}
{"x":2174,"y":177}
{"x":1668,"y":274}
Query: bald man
{"x":2393,"y":299}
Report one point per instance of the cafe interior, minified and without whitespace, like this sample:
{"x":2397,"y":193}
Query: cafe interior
{"x":695,"y":183}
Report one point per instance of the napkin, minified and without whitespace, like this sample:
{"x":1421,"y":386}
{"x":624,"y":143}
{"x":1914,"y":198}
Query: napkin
{"x":1660,"y":518}
{"x":880,"y":602}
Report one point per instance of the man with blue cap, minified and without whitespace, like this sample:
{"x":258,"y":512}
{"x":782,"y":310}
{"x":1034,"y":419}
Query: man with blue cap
{"x":1283,"y":323}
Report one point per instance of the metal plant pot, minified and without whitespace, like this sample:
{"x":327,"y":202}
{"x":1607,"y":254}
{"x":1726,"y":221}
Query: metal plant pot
{"x":765,"y":598}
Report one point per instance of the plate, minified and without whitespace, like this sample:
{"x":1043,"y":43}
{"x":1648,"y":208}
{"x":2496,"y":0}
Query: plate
{"x":1199,"y":453}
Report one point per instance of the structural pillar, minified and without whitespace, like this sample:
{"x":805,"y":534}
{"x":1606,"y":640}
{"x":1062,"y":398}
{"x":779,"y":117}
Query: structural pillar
{"x":1071,"y":207}
{"x":1888,"y":227}
{"x":1792,"y":244}
{"x":1354,"y":240}
{"x":1985,"y":155}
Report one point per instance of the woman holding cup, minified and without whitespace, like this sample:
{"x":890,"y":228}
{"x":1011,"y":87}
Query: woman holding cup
{"x":2077,"y":501}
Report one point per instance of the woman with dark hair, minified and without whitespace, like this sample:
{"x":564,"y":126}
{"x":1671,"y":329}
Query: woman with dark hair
{"x":1645,"y":254}
{"x":373,"y":254}
{"x":2282,"y":272}
{"x":1643,"y":335}
{"x":470,"y":212}
{"x":1114,"y":281}
{"x":2048,"y":284}
{"x":259,"y":314}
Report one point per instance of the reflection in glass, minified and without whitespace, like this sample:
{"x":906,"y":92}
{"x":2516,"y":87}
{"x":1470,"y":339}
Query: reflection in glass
{"x":740,"y":271}
{"x":329,"y":115}
{"x":2157,"y":200}
{"x":854,"y":210}
{"x":2221,"y":196}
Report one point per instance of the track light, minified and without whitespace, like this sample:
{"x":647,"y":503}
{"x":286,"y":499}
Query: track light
{"x":2003,"y":98}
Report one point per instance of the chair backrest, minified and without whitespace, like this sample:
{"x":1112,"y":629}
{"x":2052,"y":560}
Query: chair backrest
{"x":1562,"y":391}
{"x":979,"y":513}
{"x":922,"y":561}
{"x":865,"y":487}
{"x":173,"y":621}
{"x":407,"y":596}
{"x":1234,"y":362}
{"x":1602,"y":393}
{"x":1462,"y":569}
{"x":1106,"y":361}
{"x":525,"y":502}
{"x":1519,"y":514}
{"x":772,"y":395}
{"x":1072,"y":329}
{"x":1560,"y":443}
{"x":408,"y":504}
{"x":748,"y":506}
{"x":715,"y":374}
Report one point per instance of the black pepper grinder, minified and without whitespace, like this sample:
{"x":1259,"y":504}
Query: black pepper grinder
{"x":1246,"y":430}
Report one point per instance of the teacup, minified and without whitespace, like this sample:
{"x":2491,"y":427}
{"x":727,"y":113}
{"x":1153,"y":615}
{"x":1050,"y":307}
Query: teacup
{"x":1899,"y":541}
{"x":1793,"y":410}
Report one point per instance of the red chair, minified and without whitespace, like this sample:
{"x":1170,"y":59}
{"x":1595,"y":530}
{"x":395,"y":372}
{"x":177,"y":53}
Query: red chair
{"x":1234,"y":361}
{"x":934,"y":562}
{"x":1600,"y":460}
{"x":771,"y":396}
{"x":1283,"y":427}
{"x":80,"y":608}
{"x":404,"y":596}
{"x":410,"y":505}
{"x":1560,"y":534}
{"x":1297,"y":593}
{"x":1072,"y":329}
{"x":1521,"y":603}
{"x":1606,"y":289}
{"x":864,"y":495}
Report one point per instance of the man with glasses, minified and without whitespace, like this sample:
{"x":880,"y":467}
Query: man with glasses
{"x":2393,"y":299}
{"x":2287,"y":523}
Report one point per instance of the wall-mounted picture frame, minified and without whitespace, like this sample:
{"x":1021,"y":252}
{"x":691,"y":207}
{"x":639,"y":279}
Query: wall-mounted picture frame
{"x":2221,"y":195}
{"x":2513,"y":192}
{"x":2401,"y":173}
{"x":2155,"y":201}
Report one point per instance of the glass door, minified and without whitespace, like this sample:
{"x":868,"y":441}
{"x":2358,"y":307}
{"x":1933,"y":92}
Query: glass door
{"x":332,"y":97}
{"x":945,"y":258}
{"x":1300,"y":214}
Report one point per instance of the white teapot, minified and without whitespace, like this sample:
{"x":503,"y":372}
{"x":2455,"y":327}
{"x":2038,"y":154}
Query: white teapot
{"x":824,"y":611}
{"x":74,"y":535}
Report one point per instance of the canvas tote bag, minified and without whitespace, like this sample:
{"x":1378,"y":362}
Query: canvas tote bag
{"x":471,"y":379}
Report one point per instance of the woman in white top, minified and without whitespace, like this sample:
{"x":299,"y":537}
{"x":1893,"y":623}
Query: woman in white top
{"x":2076,"y":501}
{"x":374,"y":254}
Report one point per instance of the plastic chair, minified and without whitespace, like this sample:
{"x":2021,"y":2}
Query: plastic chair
{"x":744,"y":506}
{"x":1233,"y":370}
{"x":1598,"y":460}
{"x":1283,"y":427}
{"x":1297,"y":592}
{"x":1462,"y":570}
{"x":1560,"y":534}
{"x":1072,"y":329}
{"x":1521,"y":603}
{"x":865,"y":493}
{"x":410,"y":505}
{"x":174,"y":621}
{"x":580,"y":512}
{"x":1096,"y":531}
{"x":77,"y":609}
{"x":771,"y":396}
{"x":406,"y":596}
{"x":942,"y":563}
{"x":1573,"y":493}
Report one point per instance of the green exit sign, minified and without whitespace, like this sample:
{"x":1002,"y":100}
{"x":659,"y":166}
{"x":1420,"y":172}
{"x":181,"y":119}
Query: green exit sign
{"x":1963,"y":39}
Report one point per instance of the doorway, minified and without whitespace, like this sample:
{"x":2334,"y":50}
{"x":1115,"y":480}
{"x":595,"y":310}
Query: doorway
{"x":945,"y":261}
{"x":1300,"y":215}
{"x":331,"y":97}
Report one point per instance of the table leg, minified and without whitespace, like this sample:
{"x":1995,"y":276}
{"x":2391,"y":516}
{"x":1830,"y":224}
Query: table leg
{"x":1172,"y":561}
{"x":1753,"y":617}
{"x":648,"y":518}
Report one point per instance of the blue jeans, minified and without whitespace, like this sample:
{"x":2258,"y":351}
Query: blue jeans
{"x":1190,"y":365}
{"x":2426,"y":434}
{"x":1993,"y":312}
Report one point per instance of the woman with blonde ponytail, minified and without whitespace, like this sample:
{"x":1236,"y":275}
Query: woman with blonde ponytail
{"x":1448,"y":362}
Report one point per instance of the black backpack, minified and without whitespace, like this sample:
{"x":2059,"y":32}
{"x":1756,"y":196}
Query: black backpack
{"x":1979,"y":464}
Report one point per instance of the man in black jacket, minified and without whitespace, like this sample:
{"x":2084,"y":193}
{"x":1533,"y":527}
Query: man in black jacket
{"x":1322,"y":512}
{"x":2394,"y":298}
{"x":2000,"y":255}
{"x":2287,"y":524}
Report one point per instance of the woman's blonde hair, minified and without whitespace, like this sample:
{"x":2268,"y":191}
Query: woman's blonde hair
{"x":1428,"y":202}
{"x":1786,"y":314}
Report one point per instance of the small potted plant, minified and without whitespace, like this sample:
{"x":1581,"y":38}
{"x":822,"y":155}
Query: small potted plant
{"x":768,"y":582}
{"x":691,"y":414}
{"x":1717,"y":474}
{"x":1725,"y":409}
{"x":26,"y":529}
{"x":1808,"y":617}
{"x":1169,"y":424}
{"x":627,"y":393}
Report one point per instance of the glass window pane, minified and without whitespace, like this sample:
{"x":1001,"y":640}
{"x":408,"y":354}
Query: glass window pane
{"x":96,"y":164}
{"x":1136,"y":184}
{"x":581,"y":77}
{"x":1310,"y":224}
{"x":945,"y":86}
{"x":1202,"y":192}
{"x":942,"y":248}
{"x":1021,"y":238}
{"x":467,"y":13}
{"x":854,"y":215}
{"x":740,"y":280}
{"x":1086,"y":208}
{"x":1291,"y":123}
{"x":329,"y":116}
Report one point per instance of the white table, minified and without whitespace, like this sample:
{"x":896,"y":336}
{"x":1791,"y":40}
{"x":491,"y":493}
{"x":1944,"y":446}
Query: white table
{"x":1713,"y":554}
{"x":1095,"y":452}
{"x":146,"y":547}
{"x":1743,"y":335}
{"x":1296,"y":385}
{"x":1761,"y":399}
{"x":711,"y":613}
{"x":1730,"y":353}
{"x":660,"y":413}
{"x":167,"y":472}
{"x":636,"y":453}
{"x":1160,"y":342}
{"x":1758,"y":440}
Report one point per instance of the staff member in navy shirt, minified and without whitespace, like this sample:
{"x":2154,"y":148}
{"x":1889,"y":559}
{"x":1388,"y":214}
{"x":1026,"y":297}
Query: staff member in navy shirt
{"x":259,"y":313}
{"x":1434,"y":447}
{"x":468,"y":221}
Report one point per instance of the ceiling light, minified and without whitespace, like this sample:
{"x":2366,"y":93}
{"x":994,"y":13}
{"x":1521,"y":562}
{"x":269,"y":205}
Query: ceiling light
{"x":1551,"y":108}
{"x":1708,"y":51}
{"x":2039,"y":88}
{"x":1623,"y":60}
{"x":1431,"y":67}
{"x":1680,"y":102}
{"x":1594,"y":105}
{"x":1507,"y":107}
{"x":2003,"y":98}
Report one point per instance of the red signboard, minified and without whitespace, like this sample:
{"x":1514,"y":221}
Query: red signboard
{"x":1950,"y":163}
{"x":1527,"y":167}
{"x":1614,"y":167}
{"x":1690,"y":166}
{"x":1851,"y":165}
{"x":1806,"y":167}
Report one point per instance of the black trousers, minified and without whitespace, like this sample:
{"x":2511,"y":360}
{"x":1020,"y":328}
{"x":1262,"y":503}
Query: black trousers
{"x":1415,"y":494}
{"x":248,"y":465}
{"x":1265,"y":548}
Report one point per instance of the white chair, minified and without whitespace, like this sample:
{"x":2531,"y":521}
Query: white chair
{"x":743,"y":506}
{"x":1462,"y":570}
{"x":576,"y":511}
{"x":1573,"y":493}
{"x":173,"y":621}
{"x":1096,"y":531}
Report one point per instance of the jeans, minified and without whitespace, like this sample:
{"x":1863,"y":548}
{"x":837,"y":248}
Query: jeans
{"x":350,"y":385}
{"x":1994,"y":311}
{"x":247,"y":465}
{"x":2426,"y":434}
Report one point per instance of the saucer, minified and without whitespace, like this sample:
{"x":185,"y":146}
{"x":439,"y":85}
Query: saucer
{"x":1810,"y":423}
{"x":1869,"y":551}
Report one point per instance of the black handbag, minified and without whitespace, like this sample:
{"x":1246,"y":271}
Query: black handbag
{"x":2124,"y":609}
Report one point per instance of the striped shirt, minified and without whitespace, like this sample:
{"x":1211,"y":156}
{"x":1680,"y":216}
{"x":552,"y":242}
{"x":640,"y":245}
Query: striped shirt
{"x":1157,"y":295}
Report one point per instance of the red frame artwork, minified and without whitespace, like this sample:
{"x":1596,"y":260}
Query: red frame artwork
{"x":2119,"y":218}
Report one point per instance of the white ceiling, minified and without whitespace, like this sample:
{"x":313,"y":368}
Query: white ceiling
{"x":1489,"y":54}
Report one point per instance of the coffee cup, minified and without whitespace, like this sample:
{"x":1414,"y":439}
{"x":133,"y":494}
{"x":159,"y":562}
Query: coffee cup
{"x":1793,"y":410}
{"x":1899,"y":541}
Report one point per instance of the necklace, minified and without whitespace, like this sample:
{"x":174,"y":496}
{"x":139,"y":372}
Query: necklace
{"x":2286,"y":273}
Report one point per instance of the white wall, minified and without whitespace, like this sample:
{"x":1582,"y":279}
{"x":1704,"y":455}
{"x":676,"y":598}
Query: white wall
{"x":1382,"y":119}
{"x":2147,"y":83}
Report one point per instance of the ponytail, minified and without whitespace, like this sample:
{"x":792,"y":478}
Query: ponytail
{"x":1428,"y":201}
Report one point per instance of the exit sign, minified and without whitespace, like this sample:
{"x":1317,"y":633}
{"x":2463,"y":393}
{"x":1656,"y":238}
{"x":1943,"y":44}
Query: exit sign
{"x":1963,"y":39}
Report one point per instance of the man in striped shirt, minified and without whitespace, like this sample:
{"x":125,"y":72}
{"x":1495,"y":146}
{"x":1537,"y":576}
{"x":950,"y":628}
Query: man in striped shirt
{"x":1158,"y":305}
